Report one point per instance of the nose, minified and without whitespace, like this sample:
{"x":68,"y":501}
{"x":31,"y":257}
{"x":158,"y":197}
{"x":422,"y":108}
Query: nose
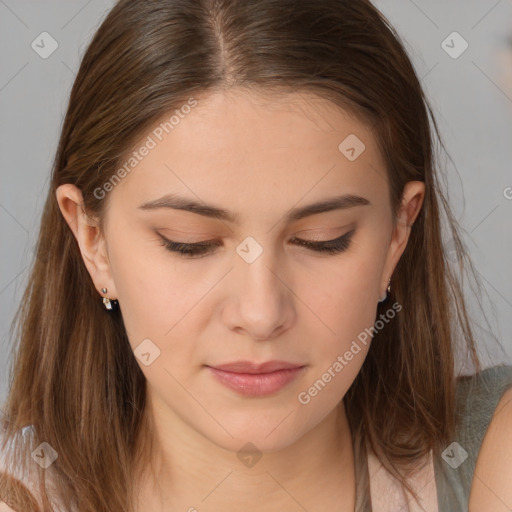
{"x":262,"y":305}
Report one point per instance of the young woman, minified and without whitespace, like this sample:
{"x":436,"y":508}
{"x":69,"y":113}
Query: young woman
{"x":241,"y":298}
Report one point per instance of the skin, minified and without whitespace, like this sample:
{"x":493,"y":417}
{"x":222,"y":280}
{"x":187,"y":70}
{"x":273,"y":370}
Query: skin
{"x":491,"y":489}
{"x":258,"y":157}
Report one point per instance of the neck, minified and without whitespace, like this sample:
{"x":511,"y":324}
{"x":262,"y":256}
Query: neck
{"x":189,"y":471}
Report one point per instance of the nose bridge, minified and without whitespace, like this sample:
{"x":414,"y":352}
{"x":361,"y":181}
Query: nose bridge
{"x":262,"y":293}
{"x":258,"y":266}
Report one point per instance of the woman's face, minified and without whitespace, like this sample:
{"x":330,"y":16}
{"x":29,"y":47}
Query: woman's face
{"x":256,"y":294}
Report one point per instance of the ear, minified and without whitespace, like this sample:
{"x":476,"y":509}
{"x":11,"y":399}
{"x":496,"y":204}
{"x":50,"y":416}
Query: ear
{"x":412,"y":201}
{"x":90,"y":240}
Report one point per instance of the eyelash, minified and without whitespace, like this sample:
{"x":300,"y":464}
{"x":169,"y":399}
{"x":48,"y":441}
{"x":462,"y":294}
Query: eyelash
{"x":200,"y":249}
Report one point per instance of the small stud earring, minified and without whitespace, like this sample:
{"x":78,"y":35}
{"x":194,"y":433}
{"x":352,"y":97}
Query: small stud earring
{"x":383,"y":299}
{"x":109,"y":304}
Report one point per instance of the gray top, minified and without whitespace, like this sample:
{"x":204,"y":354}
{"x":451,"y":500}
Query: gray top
{"x":477,"y":397}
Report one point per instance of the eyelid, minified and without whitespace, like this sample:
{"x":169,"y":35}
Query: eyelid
{"x":201,"y":249}
{"x":348,"y":226}
{"x":213,"y":242}
{"x":203,"y":242}
{"x":336,"y":245}
{"x":316,"y":237}
{"x":345,"y":235}
{"x":179,"y":232}
{"x":318,"y":232}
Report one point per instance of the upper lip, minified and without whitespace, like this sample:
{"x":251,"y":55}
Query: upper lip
{"x":252,"y":367}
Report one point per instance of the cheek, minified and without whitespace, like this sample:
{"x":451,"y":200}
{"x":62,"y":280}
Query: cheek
{"x":345,"y":296}
{"x":150,"y":291}
{"x":338,"y":353}
{"x":344,"y":301}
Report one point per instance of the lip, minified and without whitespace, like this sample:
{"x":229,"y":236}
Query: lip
{"x":253,"y":368}
{"x":256,"y":379}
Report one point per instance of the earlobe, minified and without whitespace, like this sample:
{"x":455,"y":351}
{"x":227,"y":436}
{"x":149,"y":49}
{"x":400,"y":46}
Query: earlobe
{"x":89,"y":238}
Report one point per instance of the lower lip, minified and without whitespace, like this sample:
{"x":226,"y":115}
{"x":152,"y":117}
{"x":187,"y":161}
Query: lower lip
{"x":260,"y":384}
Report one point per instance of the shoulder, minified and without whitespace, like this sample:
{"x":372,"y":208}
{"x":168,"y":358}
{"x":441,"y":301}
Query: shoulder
{"x":491,"y":487}
{"x":15,"y":452}
{"x":18,"y":475}
{"x":26,"y":471}
{"x":479,"y":397}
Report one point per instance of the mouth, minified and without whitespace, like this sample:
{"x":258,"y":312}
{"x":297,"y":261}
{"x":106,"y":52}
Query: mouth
{"x":254,"y":379}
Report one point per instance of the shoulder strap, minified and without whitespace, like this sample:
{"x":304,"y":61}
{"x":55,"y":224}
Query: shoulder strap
{"x":477,"y":398}
{"x":17,"y":479}
{"x":20,"y":473}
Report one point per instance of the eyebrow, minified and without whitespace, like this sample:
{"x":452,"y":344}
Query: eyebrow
{"x":176,"y":202}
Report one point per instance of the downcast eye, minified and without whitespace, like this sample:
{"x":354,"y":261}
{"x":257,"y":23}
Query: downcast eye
{"x":335,"y":246}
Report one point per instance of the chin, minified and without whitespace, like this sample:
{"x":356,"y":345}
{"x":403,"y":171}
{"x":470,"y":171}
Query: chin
{"x":267,"y":436}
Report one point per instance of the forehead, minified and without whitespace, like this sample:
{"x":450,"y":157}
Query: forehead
{"x":271,"y":117}
{"x":238,"y":145}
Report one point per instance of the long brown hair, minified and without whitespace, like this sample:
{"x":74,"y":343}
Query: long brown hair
{"x":74,"y":377}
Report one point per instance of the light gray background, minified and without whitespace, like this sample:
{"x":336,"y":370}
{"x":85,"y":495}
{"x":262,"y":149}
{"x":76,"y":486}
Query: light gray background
{"x":471,"y":96}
